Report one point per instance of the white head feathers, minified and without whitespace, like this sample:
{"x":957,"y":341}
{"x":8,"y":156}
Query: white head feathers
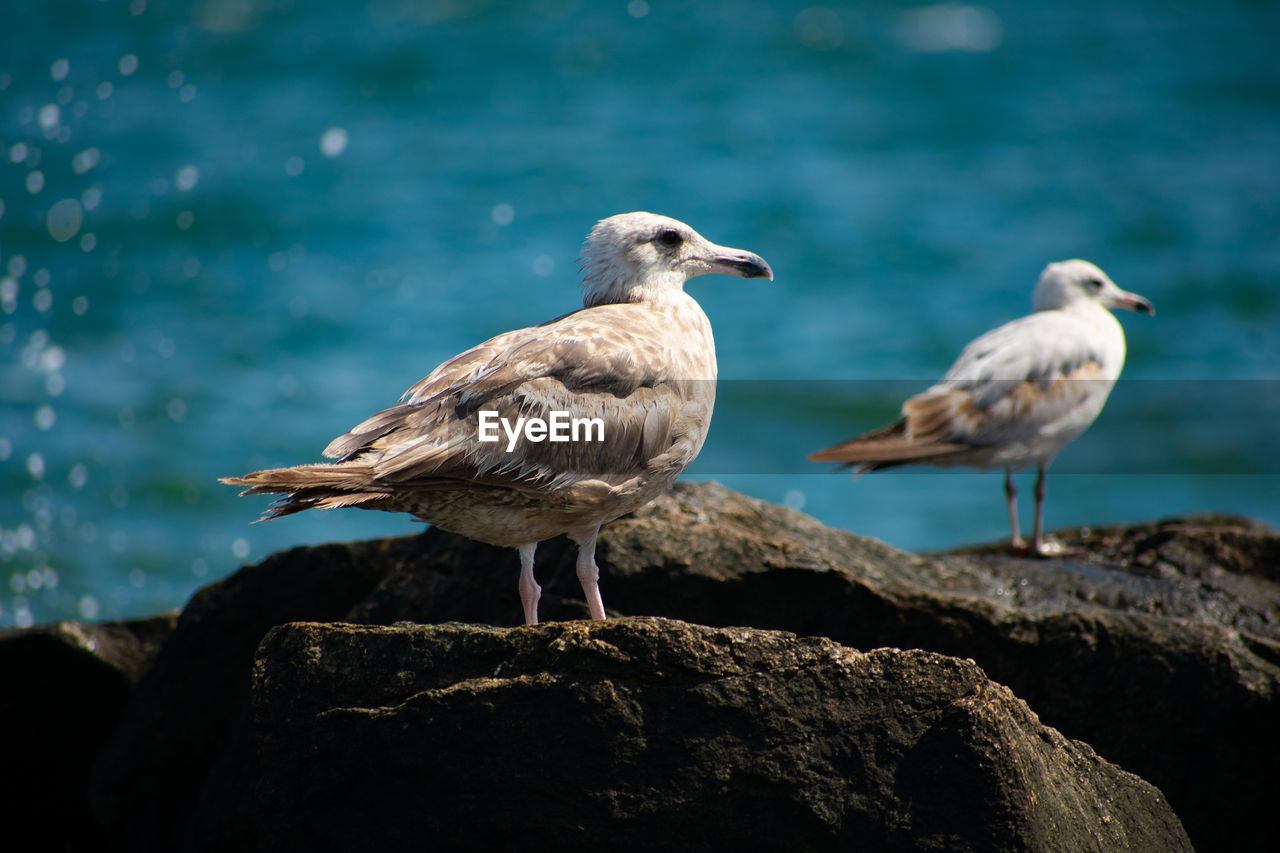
{"x":630,"y":255}
{"x":1073,"y":282}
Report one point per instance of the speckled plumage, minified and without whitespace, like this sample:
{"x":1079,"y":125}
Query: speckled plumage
{"x":639,"y":355}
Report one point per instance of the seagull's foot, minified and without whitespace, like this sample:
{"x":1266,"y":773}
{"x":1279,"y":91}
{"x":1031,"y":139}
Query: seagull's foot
{"x":1054,"y":548}
{"x":1047,"y":549}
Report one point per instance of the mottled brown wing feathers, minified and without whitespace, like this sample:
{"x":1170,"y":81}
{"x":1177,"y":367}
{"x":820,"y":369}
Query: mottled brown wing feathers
{"x":931,"y":418}
{"x":625,"y":365}
{"x":427,"y":444}
{"x":600,"y":349}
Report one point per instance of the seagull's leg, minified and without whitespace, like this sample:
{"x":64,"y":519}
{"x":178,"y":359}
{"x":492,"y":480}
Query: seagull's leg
{"x":1011,"y":494}
{"x":589,"y":572}
{"x":1037,"y":535}
{"x":530,"y":592}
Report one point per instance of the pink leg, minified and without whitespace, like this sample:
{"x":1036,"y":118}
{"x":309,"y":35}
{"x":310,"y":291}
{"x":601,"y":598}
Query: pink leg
{"x":589,"y":572}
{"x":530,"y":592}
{"x":1011,"y":494}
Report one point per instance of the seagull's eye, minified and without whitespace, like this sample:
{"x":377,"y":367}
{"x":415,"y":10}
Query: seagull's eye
{"x":669,"y":237}
{"x":1094,"y":283}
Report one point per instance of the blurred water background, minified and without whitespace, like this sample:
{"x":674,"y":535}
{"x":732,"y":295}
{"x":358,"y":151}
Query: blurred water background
{"x":231,"y":229}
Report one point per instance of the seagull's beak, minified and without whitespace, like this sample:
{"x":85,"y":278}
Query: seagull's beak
{"x":1133,"y":302}
{"x":738,"y":262}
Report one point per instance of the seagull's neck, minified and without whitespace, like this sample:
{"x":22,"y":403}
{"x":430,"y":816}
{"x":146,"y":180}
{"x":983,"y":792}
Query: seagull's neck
{"x":651,"y":288}
{"x":1089,"y":311}
{"x":662,"y":313}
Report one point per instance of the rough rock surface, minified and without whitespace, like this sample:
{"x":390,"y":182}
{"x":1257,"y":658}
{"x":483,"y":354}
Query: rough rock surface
{"x":150,"y":776}
{"x":63,"y":690}
{"x":642,"y":734}
{"x":1156,"y":644}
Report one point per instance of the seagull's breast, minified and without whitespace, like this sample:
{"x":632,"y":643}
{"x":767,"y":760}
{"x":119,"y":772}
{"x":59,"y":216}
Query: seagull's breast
{"x":684,"y":333}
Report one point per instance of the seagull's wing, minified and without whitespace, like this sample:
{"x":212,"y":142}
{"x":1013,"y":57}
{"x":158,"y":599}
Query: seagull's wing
{"x":612,"y":363}
{"x":1014,"y":382}
{"x":1038,"y":373}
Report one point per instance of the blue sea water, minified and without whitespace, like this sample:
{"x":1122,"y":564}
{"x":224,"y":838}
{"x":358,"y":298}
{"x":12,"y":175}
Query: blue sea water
{"x":231,"y":229}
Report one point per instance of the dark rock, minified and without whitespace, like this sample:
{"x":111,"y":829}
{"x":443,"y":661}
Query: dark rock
{"x":152,"y":773}
{"x":65,"y":688}
{"x":643,"y":734}
{"x":1156,"y":644}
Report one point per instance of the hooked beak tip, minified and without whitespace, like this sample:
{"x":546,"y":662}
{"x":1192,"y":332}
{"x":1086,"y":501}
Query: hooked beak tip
{"x":1132,"y":302}
{"x":1142,"y":306}
{"x":745,"y":265}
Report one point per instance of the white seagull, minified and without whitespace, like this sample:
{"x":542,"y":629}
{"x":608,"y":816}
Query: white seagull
{"x":1017,"y":395}
{"x":638,"y":356}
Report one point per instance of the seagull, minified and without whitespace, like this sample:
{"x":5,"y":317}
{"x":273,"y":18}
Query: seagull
{"x":1017,"y":395}
{"x":635,"y":368}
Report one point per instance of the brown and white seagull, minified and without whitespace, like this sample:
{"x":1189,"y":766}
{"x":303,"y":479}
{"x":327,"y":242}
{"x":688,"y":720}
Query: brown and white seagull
{"x":1017,"y":395}
{"x":638,"y":356}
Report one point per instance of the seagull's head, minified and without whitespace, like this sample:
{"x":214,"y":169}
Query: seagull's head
{"x":1077,"y":282}
{"x":631,"y":254}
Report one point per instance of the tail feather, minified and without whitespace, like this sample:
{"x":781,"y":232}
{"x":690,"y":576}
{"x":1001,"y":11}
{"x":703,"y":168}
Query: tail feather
{"x":278,"y":480}
{"x":885,"y":447}
{"x":312,"y":487}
